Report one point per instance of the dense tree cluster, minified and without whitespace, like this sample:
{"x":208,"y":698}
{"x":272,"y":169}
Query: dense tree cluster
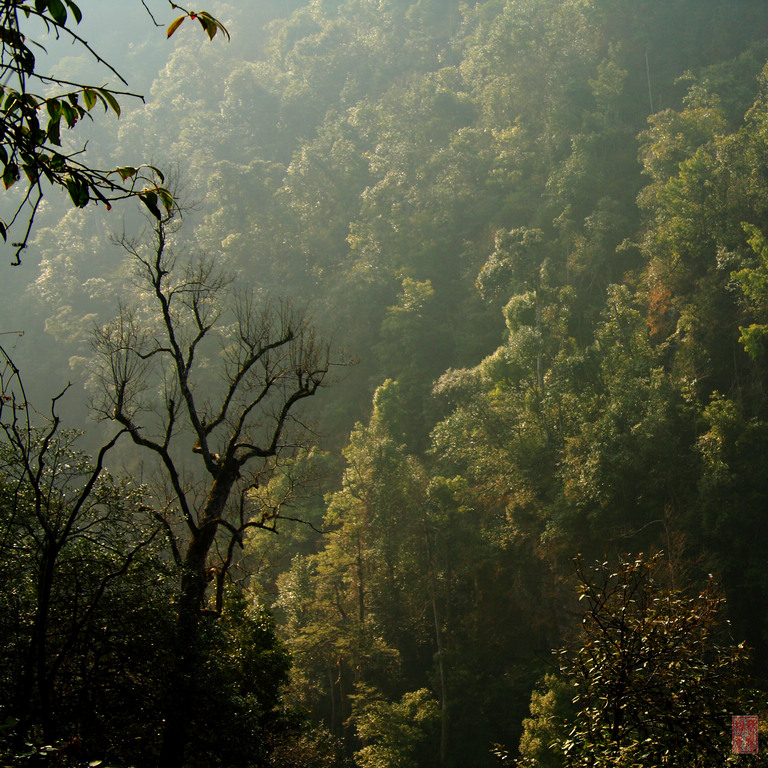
{"x":540,"y":227}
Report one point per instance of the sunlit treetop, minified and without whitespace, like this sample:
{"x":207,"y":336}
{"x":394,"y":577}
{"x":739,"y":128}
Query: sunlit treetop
{"x":36,"y":107}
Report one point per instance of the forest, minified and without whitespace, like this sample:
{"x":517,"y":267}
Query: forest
{"x":399,"y":399}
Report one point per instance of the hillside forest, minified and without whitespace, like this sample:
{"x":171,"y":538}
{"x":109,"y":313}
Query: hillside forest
{"x":428,"y":427}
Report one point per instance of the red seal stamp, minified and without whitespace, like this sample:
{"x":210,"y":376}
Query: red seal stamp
{"x":744,"y":735}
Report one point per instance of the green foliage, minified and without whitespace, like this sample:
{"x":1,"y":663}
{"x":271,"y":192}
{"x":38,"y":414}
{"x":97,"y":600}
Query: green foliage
{"x":86,"y":603}
{"x":88,"y":628}
{"x":390,"y":162}
{"x":515,"y":264}
{"x":31,"y":123}
{"x":753,"y":282}
{"x":237,"y":709}
{"x":391,"y":731}
{"x":307,"y":747}
{"x":345,"y":606}
{"x":210,"y":26}
{"x":656,"y":676}
{"x":545,"y":731}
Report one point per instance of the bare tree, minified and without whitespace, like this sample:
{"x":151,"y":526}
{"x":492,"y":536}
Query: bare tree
{"x":55,"y":502}
{"x":209,"y":383}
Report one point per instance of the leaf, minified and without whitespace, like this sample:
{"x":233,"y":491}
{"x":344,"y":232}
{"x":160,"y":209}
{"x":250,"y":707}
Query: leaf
{"x":97,"y":192}
{"x":44,"y":167}
{"x":208,"y":26}
{"x":72,"y":189}
{"x":58,"y":162}
{"x":10,"y":175}
{"x":58,"y":12}
{"x":126,"y":171}
{"x":156,"y":171}
{"x":166,"y":198}
{"x":69,"y":114}
{"x":110,"y":99}
{"x":211,"y":25}
{"x":150,"y":200}
{"x":12,"y":103}
{"x":174,"y":25}
{"x":25,"y":58}
{"x":54,"y":108}
{"x":753,"y":339}
{"x":78,"y":192}
{"x":89,"y":97}
{"x":76,"y":12}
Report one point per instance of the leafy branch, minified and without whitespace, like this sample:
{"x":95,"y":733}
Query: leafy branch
{"x":31,"y":125}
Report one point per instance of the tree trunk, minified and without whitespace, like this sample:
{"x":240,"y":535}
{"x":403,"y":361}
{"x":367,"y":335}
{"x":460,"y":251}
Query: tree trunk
{"x":443,"y":684}
{"x":440,"y":651}
{"x":539,"y":354}
{"x":36,"y":688}
{"x":182,"y":695}
{"x":331,"y":688}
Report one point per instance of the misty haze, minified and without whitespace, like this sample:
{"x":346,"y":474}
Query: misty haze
{"x":384,"y":383}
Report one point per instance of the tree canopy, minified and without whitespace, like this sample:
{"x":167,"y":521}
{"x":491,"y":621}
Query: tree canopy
{"x":539,"y":226}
